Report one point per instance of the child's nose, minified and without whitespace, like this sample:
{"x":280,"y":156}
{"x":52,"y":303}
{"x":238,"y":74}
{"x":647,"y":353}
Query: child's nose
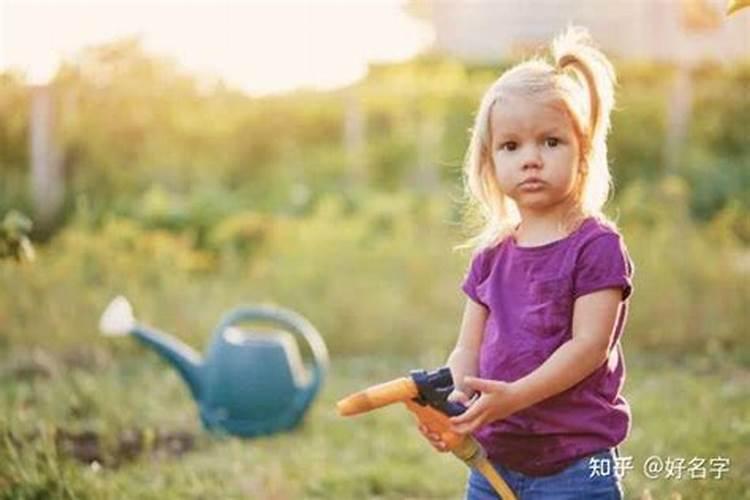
{"x":532,"y":158}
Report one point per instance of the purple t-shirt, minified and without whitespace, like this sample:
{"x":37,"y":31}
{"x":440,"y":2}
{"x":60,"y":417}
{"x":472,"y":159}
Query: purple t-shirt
{"x":529,"y":293}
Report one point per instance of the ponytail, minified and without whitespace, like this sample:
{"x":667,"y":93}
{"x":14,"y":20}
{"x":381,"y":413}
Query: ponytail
{"x":574,"y":49}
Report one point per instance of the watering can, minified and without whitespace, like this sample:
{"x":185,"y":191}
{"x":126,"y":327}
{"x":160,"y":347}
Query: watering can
{"x":250,"y":382}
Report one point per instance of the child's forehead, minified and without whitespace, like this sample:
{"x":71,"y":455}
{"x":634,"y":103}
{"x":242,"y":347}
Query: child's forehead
{"x":517,"y":113}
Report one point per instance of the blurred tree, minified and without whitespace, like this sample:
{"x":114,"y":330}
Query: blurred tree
{"x":47,"y":177}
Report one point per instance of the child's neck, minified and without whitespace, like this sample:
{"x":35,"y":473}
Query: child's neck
{"x":538,"y":229}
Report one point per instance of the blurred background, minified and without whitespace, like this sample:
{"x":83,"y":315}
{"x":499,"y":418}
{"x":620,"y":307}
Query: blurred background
{"x":198,"y":155}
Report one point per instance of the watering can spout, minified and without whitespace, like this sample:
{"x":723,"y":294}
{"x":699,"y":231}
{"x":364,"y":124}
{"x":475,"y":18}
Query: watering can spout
{"x":118,"y":320}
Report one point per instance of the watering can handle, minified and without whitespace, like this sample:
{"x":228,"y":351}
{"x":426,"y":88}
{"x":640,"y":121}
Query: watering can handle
{"x":292,"y":321}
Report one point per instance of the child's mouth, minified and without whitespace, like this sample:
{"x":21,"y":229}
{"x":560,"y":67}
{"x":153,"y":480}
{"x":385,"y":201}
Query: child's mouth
{"x":534,"y":185}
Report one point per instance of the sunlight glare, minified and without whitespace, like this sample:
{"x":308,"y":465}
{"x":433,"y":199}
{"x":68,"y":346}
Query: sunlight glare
{"x":260,"y":47}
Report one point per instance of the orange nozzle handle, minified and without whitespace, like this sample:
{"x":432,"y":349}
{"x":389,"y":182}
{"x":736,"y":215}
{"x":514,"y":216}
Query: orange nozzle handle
{"x":400,"y":389}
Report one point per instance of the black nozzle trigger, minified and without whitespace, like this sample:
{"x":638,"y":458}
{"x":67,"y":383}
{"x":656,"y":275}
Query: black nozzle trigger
{"x":434,"y":388}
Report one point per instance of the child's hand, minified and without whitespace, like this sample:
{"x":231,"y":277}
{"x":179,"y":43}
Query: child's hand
{"x":456,"y":396}
{"x":433,"y":438}
{"x":498,"y":400}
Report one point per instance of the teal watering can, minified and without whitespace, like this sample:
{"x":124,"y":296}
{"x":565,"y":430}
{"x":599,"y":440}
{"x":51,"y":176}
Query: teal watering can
{"x":250,"y":382}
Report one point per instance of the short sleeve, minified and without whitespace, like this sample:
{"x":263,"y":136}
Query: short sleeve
{"x":476,"y":275}
{"x":603,"y":263}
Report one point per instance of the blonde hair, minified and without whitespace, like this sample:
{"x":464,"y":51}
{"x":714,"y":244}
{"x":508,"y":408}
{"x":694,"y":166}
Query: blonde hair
{"x":583,"y":79}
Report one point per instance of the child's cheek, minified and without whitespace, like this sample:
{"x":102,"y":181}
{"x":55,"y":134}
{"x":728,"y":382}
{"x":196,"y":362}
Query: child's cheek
{"x":502,"y":171}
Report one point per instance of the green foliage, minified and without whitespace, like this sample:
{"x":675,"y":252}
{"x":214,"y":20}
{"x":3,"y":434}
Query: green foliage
{"x":722,"y":105}
{"x":691,"y":280}
{"x":39,"y":473}
{"x":636,"y":141}
{"x":14,"y":117}
{"x":348,"y":267}
{"x":377,"y":455}
{"x":717,"y":158}
{"x":191,"y":197}
{"x":129,"y":121}
{"x":14,"y":158}
{"x":14,"y":237}
{"x":196,"y":197}
{"x":374,"y":272}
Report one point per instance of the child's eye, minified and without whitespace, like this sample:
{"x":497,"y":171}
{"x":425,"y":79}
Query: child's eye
{"x":552,"y":142}
{"x":508,"y":146}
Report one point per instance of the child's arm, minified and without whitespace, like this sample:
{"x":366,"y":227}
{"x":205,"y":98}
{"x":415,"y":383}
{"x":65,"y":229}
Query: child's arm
{"x":594,"y":317}
{"x":463,"y":360}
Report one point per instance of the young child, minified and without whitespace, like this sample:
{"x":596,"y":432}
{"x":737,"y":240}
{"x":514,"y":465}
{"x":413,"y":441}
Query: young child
{"x":548,"y":285}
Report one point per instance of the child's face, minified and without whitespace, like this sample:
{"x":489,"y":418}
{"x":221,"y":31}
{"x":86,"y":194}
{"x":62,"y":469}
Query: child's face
{"x":534,"y":139}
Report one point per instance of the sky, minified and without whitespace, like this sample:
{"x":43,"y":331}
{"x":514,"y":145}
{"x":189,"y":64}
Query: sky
{"x":258,"y":46}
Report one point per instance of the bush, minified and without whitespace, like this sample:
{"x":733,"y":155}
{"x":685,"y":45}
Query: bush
{"x":691,"y":280}
{"x":374,"y":273}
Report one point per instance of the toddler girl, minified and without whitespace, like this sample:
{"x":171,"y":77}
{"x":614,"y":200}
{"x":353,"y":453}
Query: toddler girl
{"x":548,"y":286}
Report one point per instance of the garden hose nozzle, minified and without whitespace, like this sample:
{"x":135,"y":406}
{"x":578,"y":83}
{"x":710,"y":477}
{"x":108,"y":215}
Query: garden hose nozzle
{"x":425,"y":394}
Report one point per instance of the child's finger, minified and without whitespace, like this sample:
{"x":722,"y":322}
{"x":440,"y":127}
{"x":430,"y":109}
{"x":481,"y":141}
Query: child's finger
{"x":471,"y":422}
{"x":469,"y":415}
{"x":458,"y":396}
{"x":433,"y":437}
{"x":427,"y":433}
{"x":468,"y":427}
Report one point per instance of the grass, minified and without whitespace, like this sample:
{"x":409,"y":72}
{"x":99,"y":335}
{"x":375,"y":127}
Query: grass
{"x":133,"y":416}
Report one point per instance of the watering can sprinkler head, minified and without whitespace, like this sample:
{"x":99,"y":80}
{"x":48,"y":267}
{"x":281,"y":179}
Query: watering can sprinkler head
{"x":117,"y":319}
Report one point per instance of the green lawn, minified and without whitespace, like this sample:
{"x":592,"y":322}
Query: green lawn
{"x":135,"y":419}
